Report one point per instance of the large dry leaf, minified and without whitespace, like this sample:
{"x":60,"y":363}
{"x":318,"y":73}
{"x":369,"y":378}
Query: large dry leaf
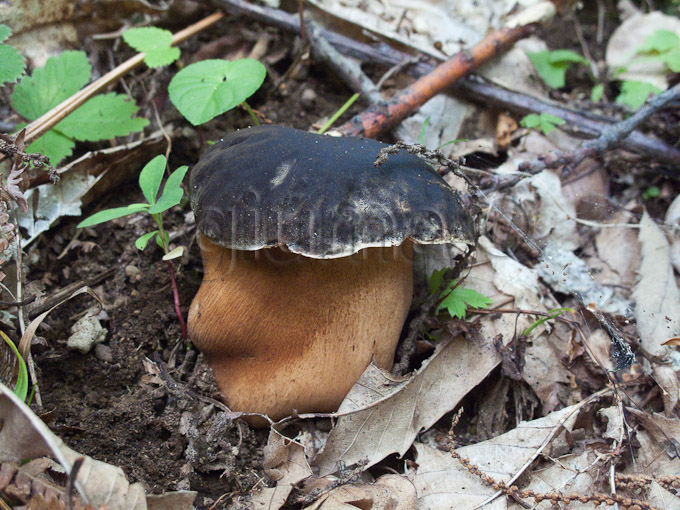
{"x":391,"y":423}
{"x":442,"y":482}
{"x":389,"y":492}
{"x":657,"y":304}
{"x":284,"y":462}
{"x":24,"y":436}
{"x":661,"y":498}
{"x":673,"y":219}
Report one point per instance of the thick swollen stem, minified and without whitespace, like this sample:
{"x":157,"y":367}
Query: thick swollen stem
{"x":175,"y":295}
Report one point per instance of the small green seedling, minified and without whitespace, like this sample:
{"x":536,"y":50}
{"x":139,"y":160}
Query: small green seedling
{"x":651,"y":192}
{"x":338,"y":113}
{"x":556,"y":312}
{"x":155,"y":43}
{"x":545,"y":122}
{"x":21,"y":386}
{"x":206,"y":89}
{"x":150,"y":179}
{"x":552,"y":66}
{"x":455,"y":299}
{"x":12,"y":63}
{"x":100,"y":118}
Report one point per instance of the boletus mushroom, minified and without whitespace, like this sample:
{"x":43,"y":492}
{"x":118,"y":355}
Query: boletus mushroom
{"x":307,"y":250}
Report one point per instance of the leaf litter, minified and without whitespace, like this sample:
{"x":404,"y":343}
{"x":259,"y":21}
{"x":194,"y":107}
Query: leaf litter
{"x":393,"y":423}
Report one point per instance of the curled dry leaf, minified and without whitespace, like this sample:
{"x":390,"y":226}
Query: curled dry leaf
{"x":392,"y":420}
{"x":24,"y":436}
{"x":284,"y":462}
{"x":389,"y":492}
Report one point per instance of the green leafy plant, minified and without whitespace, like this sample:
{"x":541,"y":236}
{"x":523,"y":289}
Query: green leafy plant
{"x":100,"y":118}
{"x":454,"y":298}
{"x":552,"y":66}
{"x":12,"y":63}
{"x":150,"y":180}
{"x":660,"y":46}
{"x":21,"y":386}
{"x":206,"y":89}
{"x":545,"y":122}
{"x":651,"y":192}
{"x":556,"y":312}
{"x":155,"y":43}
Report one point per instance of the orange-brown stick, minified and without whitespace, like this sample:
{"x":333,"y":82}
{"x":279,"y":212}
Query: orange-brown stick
{"x":379,"y":118}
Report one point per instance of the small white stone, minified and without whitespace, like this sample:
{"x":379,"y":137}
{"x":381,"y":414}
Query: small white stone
{"x":85,"y":334}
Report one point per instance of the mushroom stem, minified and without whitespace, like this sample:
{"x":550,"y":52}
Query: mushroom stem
{"x":287,"y":333}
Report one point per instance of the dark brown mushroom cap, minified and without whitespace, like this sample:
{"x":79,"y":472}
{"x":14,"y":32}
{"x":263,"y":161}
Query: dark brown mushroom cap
{"x":320,"y":196}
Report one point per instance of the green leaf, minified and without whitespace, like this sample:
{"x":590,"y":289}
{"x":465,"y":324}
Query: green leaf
{"x":112,"y":214}
{"x":459,"y":299}
{"x":150,"y":178}
{"x":12,"y":64}
{"x":102,"y":117}
{"x":54,"y":145}
{"x":556,"y":312}
{"x":163,"y":240}
{"x":206,"y":89}
{"x":21,"y":386}
{"x":545,"y":122}
{"x":660,"y":41}
{"x":172,"y":193}
{"x":634,"y":93}
{"x":62,"y":76}
{"x":597,"y":92}
{"x":142,"y":241}
{"x":672,"y":60}
{"x":155,"y":43}
{"x":435,"y":281}
{"x":651,"y":192}
{"x":5,"y":32}
{"x":552,"y":66}
{"x":423,"y":129}
{"x":563,"y":56}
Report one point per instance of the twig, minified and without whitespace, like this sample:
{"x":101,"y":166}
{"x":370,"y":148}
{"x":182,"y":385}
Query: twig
{"x":175,"y":295}
{"x":610,"y":137}
{"x":380,"y":118}
{"x":348,"y":69}
{"x":579,"y":124}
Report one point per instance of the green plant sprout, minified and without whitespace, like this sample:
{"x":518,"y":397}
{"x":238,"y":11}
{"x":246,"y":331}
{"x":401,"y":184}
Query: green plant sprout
{"x":21,"y":386}
{"x":546,"y":122}
{"x":150,"y":179}
{"x":206,"y":89}
{"x":552,"y":66}
{"x":556,"y":312}
{"x":12,"y":63}
{"x":100,"y":118}
{"x":155,"y":43}
{"x":455,"y":299}
{"x":338,"y":113}
{"x":651,"y":192}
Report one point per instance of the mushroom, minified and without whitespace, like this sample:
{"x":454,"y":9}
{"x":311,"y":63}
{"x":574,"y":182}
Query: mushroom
{"x":307,"y":253}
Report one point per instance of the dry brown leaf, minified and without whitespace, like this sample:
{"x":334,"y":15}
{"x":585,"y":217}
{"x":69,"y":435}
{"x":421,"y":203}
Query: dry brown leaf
{"x":389,"y":492}
{"x":284,"y":462}
{"x":653,"y":458}
{"x":442,"y":482}
{"x":661,"y":498}
{"x":657,"y":303}
{"x":391,"y":423}
{"x":675,"y":341}
{"x":673,"y":219}
{"x":659,"y":426}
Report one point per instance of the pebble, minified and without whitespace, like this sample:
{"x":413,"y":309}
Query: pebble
{"x":85,"y":334}
{"x":103,"y":353}
{"x":307,"y":98}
